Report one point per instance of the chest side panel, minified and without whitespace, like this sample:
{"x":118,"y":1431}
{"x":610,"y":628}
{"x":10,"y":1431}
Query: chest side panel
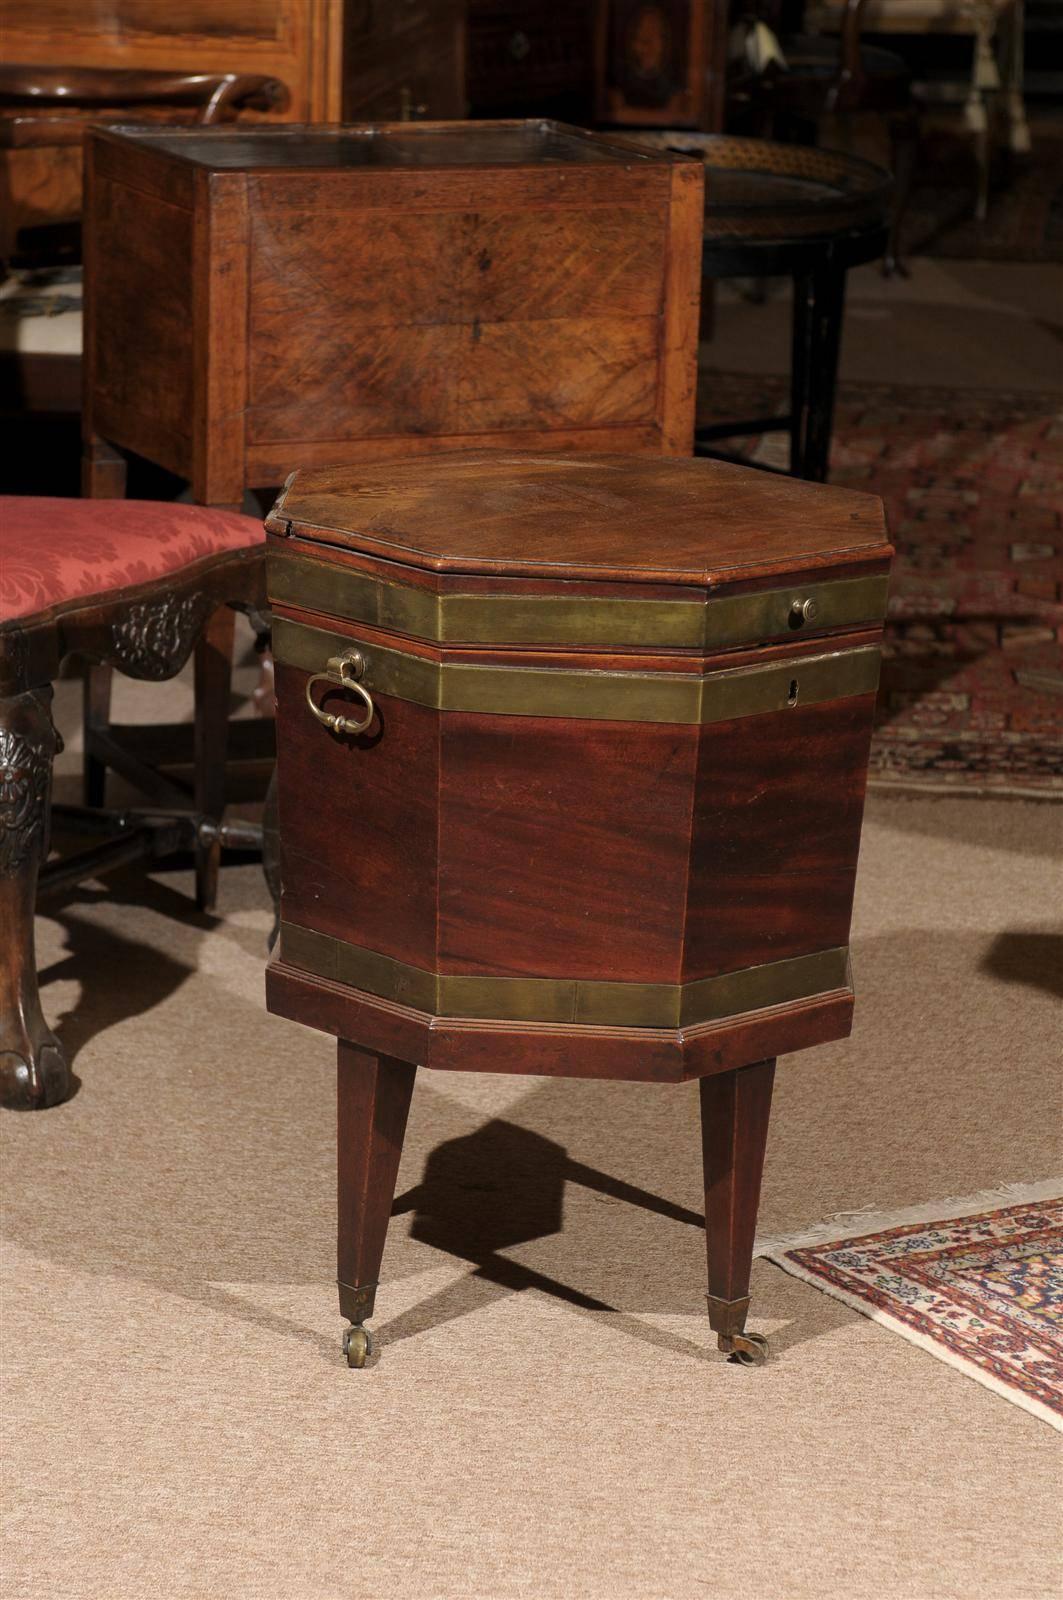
{"x":779,"y":804}
{"x":387,"y":321}
{"x":140,"y":319}
{"x":358,"y":824}
{"x":563,"y":847}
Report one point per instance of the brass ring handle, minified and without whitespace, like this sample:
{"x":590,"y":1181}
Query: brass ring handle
{"x":342,"y":672}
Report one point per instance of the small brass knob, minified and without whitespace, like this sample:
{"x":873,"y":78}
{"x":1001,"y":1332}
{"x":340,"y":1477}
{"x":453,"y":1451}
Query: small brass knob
{"x":802,"y":611}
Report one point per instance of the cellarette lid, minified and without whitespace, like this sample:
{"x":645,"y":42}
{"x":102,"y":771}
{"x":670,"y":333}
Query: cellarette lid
{"x":634,"y":519}
{"x":392,"y":146}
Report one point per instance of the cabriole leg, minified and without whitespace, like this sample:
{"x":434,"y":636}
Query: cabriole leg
{"x":33,"y":1069}
{"x":373,"y":1103}
{"x":735,"y":1107}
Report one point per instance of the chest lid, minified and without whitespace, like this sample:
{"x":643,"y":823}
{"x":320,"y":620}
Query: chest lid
{"x":509,"y":547}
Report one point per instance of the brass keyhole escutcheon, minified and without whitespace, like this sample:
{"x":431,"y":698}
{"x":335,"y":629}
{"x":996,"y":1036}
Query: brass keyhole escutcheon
{"x":342,"y":672}
{"x":791,"y":698}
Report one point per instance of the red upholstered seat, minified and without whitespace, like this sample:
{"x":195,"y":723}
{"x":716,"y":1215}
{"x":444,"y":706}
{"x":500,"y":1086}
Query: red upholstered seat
{"x":55,"y":552}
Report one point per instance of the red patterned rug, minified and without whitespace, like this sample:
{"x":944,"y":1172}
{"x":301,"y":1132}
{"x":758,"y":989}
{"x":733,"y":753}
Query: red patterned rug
{"x":972,"y":682}
{"x":980,"y":1289}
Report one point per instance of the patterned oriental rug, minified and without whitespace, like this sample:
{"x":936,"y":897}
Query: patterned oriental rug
{"x":980,"y":1289}
{"x":971,"y":696}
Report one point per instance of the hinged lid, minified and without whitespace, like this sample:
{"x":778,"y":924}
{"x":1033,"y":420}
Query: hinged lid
{"x":505,"y":548}
{"x":620,"y":518}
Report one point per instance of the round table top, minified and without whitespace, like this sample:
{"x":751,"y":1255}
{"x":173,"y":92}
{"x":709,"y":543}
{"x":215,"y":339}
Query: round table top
{"x":762,"y":192}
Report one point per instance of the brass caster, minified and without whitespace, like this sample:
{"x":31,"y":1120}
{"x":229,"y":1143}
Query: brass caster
{"x":745,"y":1349}
{"x":357,"y":1345}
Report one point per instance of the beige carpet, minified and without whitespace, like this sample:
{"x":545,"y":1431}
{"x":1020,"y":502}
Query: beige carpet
{"x":178,"y":1420}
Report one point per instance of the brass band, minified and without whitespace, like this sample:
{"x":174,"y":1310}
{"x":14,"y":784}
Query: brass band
{"x":679,"y":697}
{"x":709,"y":623}
{"x":589,"y":1002}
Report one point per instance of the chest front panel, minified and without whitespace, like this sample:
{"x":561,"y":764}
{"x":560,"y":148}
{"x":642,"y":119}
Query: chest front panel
{"x":387,"y":321}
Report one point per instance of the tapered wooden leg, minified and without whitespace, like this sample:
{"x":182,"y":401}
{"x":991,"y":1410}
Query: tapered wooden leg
{"x":33,"y":1069}
{"x":373,"y":1103}
{"x":213,"y":681}
{"x":735,"y":1107}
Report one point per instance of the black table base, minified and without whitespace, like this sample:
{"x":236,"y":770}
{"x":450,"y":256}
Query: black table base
{"x":818,"y":268}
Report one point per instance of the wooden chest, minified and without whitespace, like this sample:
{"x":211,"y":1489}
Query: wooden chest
{"x":263,"y":299}
{"x":572,"y":757}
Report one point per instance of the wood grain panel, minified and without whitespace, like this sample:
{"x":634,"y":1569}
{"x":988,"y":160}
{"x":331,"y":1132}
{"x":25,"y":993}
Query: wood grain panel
{"x":777,"y":816}
{"x":570,"y":373}
{"x":269,"y":463}
{"x":563,"y":847}
{"x":296,"y":41}
{"x":310,"y":278}
{"x":142,"y":319}
{"x":220,"y":243}
{"x":251,"y":19}
{"x":557,"y":317}
{"x":408,"y":174}
{"x":357,"y":383}
{"x":603,"y":262}
{"x":453,"y":379}
{"x":677,"y":399}
{"x":418,"y":72}
{"x":358,"y":824}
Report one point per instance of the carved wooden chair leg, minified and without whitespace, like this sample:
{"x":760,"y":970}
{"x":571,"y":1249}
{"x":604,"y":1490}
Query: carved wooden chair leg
{"x":213,"y":682}
{"x":33,"y":1069}
{"x":735,"y":1107}
{"x":373,"y":1103}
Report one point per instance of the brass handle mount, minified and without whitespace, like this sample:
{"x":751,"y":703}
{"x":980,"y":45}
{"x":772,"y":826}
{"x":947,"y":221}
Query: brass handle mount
{"x":342,"y":672}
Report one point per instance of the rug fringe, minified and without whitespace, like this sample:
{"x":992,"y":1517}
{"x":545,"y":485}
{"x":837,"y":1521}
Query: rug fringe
{"x":854,"y":1224}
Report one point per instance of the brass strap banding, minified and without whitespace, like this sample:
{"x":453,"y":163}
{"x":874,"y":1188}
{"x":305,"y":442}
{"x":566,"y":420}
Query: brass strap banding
{"x":589,"y":1002}
{"x":709,"y":623}
{"x":668,"y":697}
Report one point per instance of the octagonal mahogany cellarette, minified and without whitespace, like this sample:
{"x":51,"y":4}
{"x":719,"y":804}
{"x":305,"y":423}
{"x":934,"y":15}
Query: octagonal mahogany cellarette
{"x":572,"y":759}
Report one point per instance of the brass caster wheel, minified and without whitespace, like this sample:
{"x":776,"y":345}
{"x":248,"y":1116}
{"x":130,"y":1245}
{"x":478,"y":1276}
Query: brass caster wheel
{"x":357,"y":1345}
{"x":745,"y":1349}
